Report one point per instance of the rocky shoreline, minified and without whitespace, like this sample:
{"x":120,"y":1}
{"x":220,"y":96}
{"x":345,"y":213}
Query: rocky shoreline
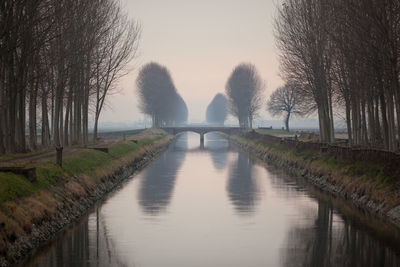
{"x":68,"y":212}
{"x":323,"y":181}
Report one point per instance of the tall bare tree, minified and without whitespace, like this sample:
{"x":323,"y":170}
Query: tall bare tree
{"x":112,"y":55}
{"x":301,"y":32}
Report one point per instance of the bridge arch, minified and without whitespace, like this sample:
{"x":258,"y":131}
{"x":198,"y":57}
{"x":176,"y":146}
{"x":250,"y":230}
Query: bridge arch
{"x":201,"y":130}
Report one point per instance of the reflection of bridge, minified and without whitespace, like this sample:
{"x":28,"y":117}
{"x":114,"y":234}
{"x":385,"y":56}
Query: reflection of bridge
{"x":202,"y":130}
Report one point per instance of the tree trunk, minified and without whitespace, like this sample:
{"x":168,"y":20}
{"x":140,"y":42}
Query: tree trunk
{"x":61,"y":131}
{"x":95,"y":129}
{"x":71,"y":123}
{"x":67,"y":118}
{"x":45,"y":122}
{"x":20,"y":122}
{"x":371,"y":122}
{"x":12,"y":120}
{"x":32,"y":117}
{"x":331,"y":122}
{"x":2,"y":117}
{"x":287,"y":121}
{"x":391,"y":123}
{"x":384,"y":122}
{"x":364,"y":123}
{"x":348,"y":122}
{"x":378,"y":130}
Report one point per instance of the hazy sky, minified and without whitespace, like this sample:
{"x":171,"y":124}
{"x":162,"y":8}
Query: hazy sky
{"x":200,"y":42}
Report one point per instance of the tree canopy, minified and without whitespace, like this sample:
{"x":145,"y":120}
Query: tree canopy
{"x":244,"y":91}
{"x":159,"y":97}
{"x":217,"y":110}
{"x":289,"y":101}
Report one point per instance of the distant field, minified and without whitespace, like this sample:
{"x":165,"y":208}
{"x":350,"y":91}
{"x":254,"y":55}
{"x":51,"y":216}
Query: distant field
{"x":117,"y":133}
{"x":274,"y":132}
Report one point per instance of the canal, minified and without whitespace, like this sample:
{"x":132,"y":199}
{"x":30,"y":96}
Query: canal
{"x":216,"y":206}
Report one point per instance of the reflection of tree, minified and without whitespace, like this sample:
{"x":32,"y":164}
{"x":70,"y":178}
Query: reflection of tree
{"x":241,"y":187}
{"x":334,"y":244}
{"x":218,"y":148}
{"x":219,"y":157}
{"x":159,"y":179}
{"x":87,"y":244}
{"x":71,"y":249}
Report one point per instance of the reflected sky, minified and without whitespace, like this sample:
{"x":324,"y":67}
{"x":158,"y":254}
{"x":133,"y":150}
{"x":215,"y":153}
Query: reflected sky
{"x":215,"y":206}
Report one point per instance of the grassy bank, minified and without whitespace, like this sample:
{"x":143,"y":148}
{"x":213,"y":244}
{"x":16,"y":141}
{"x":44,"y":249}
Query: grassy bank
{"x":277,"y":132}
{"x":63,"y":192}
{"x":363,"y":183}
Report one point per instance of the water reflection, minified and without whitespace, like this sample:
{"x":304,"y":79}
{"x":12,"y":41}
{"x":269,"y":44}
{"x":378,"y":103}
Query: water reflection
{"x":87,"y":244}
{"x":242,"y":188}
{"x":158,"y":181}
{"x":218,"y":146}
{"x":282,"y":222}
{"x":329,"y":241}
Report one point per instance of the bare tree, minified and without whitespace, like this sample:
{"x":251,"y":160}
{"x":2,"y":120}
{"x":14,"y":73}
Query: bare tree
{"x":244,"y":90}
{"x":301,"y":32}
{"x":288,"y":100}
{"x":347,"y":53}
{"x":48,"y":55}
{"x":113,"y":53}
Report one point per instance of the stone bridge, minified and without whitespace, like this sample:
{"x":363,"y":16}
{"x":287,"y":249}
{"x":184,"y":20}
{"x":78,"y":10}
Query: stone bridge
{"x":202,"y":130}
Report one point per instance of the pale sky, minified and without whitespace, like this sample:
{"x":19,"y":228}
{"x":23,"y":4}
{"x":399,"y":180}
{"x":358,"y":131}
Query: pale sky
{"x":200,"y":42}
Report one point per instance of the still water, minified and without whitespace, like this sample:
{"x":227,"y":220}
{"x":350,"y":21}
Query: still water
{"x":216,"y":206}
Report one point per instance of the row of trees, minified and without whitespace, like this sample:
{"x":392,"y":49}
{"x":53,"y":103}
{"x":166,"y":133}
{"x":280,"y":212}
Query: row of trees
{"x":344,"y":56}
{"x":159,"y":97}
{"x":217,"y":110}
{"x":58,"y":58}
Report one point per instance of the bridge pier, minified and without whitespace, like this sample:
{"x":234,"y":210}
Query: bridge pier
{"x":202,"y":139}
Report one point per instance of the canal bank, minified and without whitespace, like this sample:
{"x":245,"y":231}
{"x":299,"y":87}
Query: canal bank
{"x":355,"y":182}
{"x":213,"y":205}
{"x":33,"y":212}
